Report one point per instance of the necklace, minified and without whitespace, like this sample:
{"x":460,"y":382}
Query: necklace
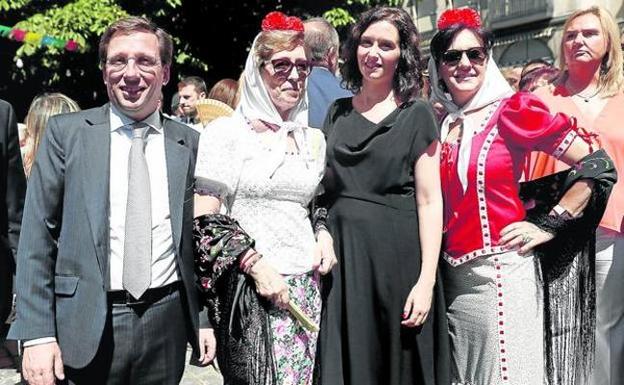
{"x":586,"y":99}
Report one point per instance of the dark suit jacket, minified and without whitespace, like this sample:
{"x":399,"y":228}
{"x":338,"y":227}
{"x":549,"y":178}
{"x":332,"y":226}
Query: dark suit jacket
{"x":63,"y":257}
{"x":323,"y":89}
{"x":12,"y":191}
{"x":12,"y":182}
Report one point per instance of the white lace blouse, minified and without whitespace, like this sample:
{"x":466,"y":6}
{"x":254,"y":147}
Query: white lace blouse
{"x":267,"y":190}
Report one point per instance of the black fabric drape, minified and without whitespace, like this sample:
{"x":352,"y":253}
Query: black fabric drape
{"x":568,"y":265}
{"x":238,"y":314}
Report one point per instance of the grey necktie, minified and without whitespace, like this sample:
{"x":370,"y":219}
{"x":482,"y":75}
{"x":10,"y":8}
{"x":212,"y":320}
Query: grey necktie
{"x":137,"y":258}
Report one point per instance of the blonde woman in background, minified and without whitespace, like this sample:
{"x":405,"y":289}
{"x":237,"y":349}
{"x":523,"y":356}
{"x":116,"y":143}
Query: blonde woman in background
{"x":590,"y":90}
{"x":41,"y":109}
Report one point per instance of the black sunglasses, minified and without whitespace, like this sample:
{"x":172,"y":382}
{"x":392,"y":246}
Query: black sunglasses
{"x":476,"y":55}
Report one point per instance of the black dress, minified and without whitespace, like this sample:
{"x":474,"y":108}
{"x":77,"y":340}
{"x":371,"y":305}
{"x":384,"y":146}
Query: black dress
{"x":373,"y":220}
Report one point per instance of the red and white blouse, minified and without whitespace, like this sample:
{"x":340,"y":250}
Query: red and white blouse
{"x":474,"y":219}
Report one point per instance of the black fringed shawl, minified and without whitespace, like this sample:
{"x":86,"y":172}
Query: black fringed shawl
{"x":568,"y":266}
{"x":238,"y":314}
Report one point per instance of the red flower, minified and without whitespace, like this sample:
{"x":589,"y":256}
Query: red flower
{"x":462,"y":16}
{"x":277,"y":21}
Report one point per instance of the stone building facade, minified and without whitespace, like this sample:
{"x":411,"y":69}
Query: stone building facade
{"x":523,"y":29}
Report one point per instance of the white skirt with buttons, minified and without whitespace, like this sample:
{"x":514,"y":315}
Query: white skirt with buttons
{"x":495,"y":315}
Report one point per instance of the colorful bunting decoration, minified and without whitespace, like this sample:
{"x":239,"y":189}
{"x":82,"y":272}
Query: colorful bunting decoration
{"x":4,"y":31}
{"x":34,"y":38}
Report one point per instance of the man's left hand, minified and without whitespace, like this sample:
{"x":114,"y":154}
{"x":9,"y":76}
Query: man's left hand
{"x":207,"y":346}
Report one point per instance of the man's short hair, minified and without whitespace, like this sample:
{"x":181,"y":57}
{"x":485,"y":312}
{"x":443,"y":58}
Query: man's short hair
{"x":129,"y":25}
{"x":320,"y":39}
{"x":195,"y":81}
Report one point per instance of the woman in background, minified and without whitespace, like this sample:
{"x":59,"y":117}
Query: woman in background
{"x":590,"y":90}
{"x":226,"y":91}
{"x":41,"y":109}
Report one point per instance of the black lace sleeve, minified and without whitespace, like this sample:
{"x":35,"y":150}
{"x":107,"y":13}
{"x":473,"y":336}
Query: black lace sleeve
{"x":319,"y":219}
{"x":239,"y":315}
{"x":321,"y":204}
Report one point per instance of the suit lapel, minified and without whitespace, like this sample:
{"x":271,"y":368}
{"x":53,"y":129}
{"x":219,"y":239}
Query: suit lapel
{"x":178,"y":157}
{"x":96,"y":180}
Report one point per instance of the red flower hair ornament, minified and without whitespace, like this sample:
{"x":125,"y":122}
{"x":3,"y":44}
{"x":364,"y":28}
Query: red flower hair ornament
{"x":277,"y":21}
{"x":467,"y":17}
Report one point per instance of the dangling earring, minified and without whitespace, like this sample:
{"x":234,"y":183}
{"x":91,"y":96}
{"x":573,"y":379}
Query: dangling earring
{"x":603,"y":65}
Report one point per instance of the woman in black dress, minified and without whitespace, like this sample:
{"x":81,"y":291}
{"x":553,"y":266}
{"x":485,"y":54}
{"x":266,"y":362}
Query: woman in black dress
{"x":383,"y":323}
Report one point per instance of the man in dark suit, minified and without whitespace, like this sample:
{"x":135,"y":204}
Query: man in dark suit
{"x":324,"y":87}
{"x":12,"y":191}
{"x":106,"y":290}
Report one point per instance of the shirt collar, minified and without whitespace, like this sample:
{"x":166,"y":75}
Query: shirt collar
{"x":119,"y":120}
{"x":320,"y":68}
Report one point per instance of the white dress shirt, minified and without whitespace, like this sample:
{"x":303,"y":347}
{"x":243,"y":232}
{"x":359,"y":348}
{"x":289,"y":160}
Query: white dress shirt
{"x":164,"y":269}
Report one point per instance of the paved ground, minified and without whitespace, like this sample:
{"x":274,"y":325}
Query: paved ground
{"x":192,"y":376}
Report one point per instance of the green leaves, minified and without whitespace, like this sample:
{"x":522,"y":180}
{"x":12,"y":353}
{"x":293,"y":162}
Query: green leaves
{"x":339,"y":17}
{"x":81,"y":20}
{"x":174,"y":3}
{"x":185,"y":58}
{"x":7,"y":5}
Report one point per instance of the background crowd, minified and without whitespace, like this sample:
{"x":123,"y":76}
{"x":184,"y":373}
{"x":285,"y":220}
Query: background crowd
{"x":354,"y":214}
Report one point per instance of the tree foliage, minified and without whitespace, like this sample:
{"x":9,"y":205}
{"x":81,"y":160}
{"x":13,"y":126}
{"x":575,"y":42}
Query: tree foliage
{"x":7,"y":5}
{"x":80,"y":20}
{"x":84,"y":21}
{"x":211,"y":39}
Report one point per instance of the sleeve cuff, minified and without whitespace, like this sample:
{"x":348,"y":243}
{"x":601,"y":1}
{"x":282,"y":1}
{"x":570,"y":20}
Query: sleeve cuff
{"x":204,"y":320}
{"x":38,"y":341}
{"x":564,"y":144}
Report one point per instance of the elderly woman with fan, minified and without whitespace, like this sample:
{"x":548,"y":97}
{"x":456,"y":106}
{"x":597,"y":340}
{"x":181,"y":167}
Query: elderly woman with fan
{"x":518,"y":276}
{"x":262,"y":167}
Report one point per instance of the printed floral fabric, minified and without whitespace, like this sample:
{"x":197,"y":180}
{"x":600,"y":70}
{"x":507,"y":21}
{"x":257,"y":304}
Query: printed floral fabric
{"x":218,"y":242}
{"x":294,"y":347}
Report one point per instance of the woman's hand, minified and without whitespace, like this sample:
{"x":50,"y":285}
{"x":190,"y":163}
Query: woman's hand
{"x":523,"y":236}
{"x":418,"y":304}
{"x":324,"y":256}
{"x":269,"y":283}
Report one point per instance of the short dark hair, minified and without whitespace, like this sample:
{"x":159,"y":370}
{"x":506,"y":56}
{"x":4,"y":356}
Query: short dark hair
{"x":407,"y":78}
{"x":533,"y":62}
{"x":132,"y":24}
{"x":442,"y":40}
{"x":531,"y":80}
{"x":195,"y":81}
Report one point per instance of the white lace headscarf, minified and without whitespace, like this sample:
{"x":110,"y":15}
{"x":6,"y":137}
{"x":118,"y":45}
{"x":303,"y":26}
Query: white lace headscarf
{"x":494,"y":88}
{"x":256,"y":104}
